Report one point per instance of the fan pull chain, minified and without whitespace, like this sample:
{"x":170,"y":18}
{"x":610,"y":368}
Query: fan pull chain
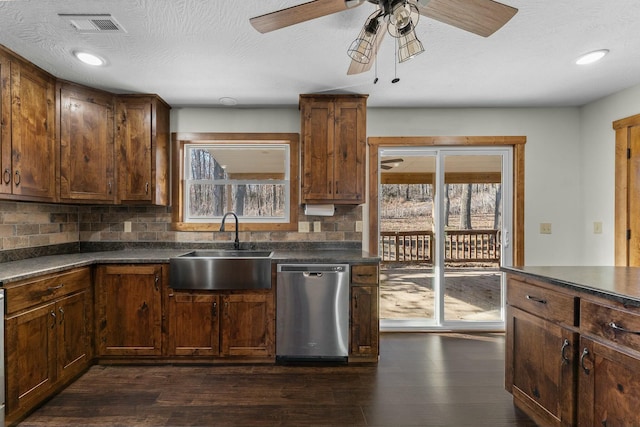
{"x":395,"y":62}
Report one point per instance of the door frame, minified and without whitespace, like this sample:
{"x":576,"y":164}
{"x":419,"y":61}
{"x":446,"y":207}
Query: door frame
{"x":516,"y":142}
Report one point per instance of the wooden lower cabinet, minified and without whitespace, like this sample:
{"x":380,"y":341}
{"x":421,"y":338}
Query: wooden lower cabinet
{"x":194,"y":325}
{"x":129,"y":309}
{"x":248,"y":324}
{"x":540,"y":368}
{"x":47,"y":337}
{"x":364,"y":314}
{"x":221,"y":324}
{"x":608,"y":386}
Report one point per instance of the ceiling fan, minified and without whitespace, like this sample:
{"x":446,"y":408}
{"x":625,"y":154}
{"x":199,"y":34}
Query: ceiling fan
{"x":390,"y":163}
{"x":398,"y":18}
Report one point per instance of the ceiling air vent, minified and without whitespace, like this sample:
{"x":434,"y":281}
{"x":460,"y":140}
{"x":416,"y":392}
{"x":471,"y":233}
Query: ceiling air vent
{"x":94,"y":23}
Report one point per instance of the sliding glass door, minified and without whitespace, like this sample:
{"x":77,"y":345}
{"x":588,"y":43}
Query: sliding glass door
{"x":445,"y":219}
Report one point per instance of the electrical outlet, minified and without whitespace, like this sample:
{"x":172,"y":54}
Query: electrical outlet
{"x":317,"y":226}
{"x":545,"y":228}
{"x":303,"y":227}
{"x":127,"y":226}
{"x":358,"y":226}
{"x":597,"y":227}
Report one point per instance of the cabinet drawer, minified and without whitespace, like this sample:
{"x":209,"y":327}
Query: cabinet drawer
{"x":619,"y":326}
{"x":364,"y":274}
{"x":545,"y":303}
{"x":32,"y":292}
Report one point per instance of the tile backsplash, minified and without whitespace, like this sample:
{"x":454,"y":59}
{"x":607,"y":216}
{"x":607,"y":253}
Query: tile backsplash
{"x":27,"y":229}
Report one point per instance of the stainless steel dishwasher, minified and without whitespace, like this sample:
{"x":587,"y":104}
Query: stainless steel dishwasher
{"x":312,"y":314}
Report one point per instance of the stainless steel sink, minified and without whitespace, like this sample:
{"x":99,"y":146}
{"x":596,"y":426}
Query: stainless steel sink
{"x":221,"y":270}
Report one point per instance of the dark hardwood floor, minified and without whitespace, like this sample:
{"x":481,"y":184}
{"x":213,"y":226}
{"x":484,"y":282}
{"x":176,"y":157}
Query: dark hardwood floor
{"x":422,"y":380}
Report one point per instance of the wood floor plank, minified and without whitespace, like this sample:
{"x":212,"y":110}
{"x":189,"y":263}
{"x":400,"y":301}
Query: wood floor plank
{"x":427,"y":380}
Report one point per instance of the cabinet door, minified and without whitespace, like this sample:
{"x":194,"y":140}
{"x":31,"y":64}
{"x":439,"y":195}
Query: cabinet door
{"x":33,"y":133}
{"x":193,"y":324}
{"x":5,"y":125}
{"x":248,"y":325}
{"x":31,"y":352}
{"x":349,"y":151}
{"x":364,"y":321}
{"x":541,"y":368}
{"x":134,"y":129}
{"x":608,"y":386}
{"x":73,"y":337}
{"x":86,"y":145}
{"x":317,"y":144}
{"x":129,"y":310}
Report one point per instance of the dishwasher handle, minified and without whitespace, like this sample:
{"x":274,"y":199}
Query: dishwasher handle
{"x":312,"y":274}
{"x":313,"y":270}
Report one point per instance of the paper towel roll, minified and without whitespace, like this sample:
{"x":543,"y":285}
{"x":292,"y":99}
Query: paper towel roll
{"x":319,"y":210}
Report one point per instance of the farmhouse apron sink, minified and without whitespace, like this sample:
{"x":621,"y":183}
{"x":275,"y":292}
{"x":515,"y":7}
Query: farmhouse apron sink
{"x":221,"y":270}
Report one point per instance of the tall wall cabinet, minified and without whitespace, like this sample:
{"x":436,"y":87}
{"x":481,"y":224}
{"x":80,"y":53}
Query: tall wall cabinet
{"x":27,"y":138}
{"x":333,"y":148}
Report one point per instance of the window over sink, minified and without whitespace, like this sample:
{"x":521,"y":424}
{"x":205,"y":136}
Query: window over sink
{"x":253,"y":175}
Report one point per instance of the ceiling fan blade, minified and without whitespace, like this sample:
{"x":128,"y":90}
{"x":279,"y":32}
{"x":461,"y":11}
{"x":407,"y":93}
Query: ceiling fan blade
{"x":482,"y":17}
{"x":301,"y":13}
{"x":358,"y":67}
{"x":385,"y":167}
{"x":398,"y":160}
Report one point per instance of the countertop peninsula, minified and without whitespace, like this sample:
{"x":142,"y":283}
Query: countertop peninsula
{"x":621,"y":284}
{"x":18,"y":270}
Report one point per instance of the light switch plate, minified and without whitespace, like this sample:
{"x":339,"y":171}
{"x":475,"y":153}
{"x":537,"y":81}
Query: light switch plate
{"x":127,"y":226}
{"x":597,"y":227}
{"x":545,"y":228}
{"x":317,"y":226}
{"x":303,"y":227}
{"x":358,"y":226}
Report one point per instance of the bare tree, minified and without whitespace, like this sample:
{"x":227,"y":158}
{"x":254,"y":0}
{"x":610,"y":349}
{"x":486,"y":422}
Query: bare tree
{"x":497,"y":214}
{"x":465,"y":207}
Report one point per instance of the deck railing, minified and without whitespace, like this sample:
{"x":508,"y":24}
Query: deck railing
{"x":460,"y":246}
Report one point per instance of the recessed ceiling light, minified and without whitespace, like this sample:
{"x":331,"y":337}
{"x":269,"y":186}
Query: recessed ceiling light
{"x":591,"y":57}
{"x":227,"y":100}
{"x":89,"y":58}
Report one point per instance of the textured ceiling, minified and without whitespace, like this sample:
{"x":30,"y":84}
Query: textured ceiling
{"x":193,"y":52}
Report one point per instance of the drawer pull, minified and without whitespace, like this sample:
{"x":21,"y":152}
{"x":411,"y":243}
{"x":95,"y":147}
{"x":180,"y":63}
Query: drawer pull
{"x":565,"y":345}
{"x":536,"y":299}
{"x":584,"y":355}
{"x":7,"y":176}
{"x":53,"y":288}
{"x":615,"y":327}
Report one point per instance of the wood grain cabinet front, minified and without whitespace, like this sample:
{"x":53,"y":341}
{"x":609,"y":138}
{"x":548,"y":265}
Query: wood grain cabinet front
{"x":142,"y":133}
{"x":129,"y":309}
{"x":364,"y":314}
{"x":194,"y":323}
{"x":87,"y":151}
{"x":27,"y":140}
{"x":333,"y":148}
{"x":541,"y":353}
{"x":47,"y":337}
{"x":609,"y":365}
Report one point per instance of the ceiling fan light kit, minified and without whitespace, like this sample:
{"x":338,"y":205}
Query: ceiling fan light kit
{"x":400,"y":17}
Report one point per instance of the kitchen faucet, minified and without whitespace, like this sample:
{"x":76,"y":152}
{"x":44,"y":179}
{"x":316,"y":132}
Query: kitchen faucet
{"x":236,"y":243}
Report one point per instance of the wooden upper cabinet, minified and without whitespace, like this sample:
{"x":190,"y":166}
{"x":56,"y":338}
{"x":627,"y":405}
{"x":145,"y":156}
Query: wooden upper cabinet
{"x":142,"y":129}
{"x":333,"y":148}
{"x":86,"y":144}
{"x":28,"y":130}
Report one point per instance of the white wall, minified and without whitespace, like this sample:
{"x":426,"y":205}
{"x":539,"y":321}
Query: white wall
{"x":597,"y":162}
{"x":552,"y":162}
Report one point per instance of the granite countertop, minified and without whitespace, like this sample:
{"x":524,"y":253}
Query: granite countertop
{"x":621,"y":284}
{"x":32,"y":267}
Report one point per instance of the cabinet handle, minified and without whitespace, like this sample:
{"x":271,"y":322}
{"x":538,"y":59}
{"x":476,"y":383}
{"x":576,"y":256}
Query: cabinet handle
{"x":566,"y":344}
{"x":53,"y":314}
{"x":146,"y":188}
{"x":615,"y":327}
{"x":155,"y":283}
{"x":109,"y":187}
{"x":330,"y":186}
{"x":7,"y":176}
{"x":214,"y":309}
{"x":61,"y":315}
{"x":53,"y":288}
{"x":584,"y":355}
{"x":355,"y":298}
{"x":337,"y":187}
{"x":17,"y":179}
{"x":536,"y":299}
